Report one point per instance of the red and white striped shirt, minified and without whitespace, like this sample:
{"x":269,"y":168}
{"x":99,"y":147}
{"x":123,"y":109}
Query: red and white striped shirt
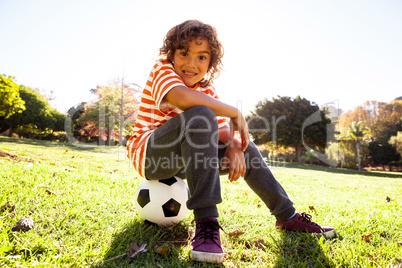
{"x":154,"y":110}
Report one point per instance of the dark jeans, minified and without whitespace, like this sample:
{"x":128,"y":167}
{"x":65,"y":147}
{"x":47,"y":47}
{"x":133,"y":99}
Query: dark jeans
{"x":187,"y":146}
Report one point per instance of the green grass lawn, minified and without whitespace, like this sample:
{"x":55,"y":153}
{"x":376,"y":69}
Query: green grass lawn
{"x":81,"y":202}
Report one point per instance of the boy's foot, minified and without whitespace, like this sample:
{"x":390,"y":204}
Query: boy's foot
{"x":302,"y":222}
{"x":206,"y":244}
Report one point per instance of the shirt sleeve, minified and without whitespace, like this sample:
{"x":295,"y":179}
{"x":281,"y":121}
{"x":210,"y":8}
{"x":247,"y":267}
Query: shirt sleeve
{"x":165,"y":78}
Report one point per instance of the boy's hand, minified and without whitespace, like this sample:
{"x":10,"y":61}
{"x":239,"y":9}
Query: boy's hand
{"x":239,"y":124}
{"x":234,"y":156}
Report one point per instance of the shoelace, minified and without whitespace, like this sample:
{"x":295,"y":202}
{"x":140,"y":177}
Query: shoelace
{"x":307,"y":217}
{"x":208,"y":230}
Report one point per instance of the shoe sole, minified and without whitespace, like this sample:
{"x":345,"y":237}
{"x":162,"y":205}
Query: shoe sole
{"x":327,"y":234}
{"x":209,"y":257}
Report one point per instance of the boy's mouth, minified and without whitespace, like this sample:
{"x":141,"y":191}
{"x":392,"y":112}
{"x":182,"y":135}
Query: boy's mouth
{"x":189,"y":73}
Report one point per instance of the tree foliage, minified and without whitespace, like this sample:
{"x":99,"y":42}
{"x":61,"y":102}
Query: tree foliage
{"x":382,"y":118}
{"x":287,"y":122}
{"x":115,"y":104}
{"x":357,"y":132}
{"x":10,"y":101}
{"x":396,"y":142}
{"x":38,"y":116}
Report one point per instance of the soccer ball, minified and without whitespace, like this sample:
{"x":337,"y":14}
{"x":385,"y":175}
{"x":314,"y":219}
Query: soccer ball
{"x":162,"y":202}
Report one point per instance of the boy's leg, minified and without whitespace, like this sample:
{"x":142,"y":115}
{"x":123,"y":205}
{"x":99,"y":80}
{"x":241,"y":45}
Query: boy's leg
{"x":261,"y":180}
{"x":188,"y":142}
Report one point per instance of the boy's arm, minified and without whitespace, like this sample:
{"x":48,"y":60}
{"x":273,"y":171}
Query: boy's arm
{"x":185,"y":98}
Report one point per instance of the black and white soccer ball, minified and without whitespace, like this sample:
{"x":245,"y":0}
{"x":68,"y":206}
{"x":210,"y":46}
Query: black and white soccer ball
{"x":162,"y":202}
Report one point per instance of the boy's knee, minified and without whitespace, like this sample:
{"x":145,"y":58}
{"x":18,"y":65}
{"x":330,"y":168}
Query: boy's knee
{"x":202,"y":117}
{"x":202,"y":111}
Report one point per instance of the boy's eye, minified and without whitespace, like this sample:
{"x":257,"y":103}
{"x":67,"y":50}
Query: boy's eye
{"x":183,"y":53}
{"x":202,"y":57}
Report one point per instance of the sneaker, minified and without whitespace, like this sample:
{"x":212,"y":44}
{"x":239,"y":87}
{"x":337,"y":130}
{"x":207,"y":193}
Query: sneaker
{"x":206,"y":246}
{"x":303,"y":223}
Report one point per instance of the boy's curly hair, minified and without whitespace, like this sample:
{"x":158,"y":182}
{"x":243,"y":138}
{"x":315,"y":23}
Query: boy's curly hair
{"x":179,"y":36}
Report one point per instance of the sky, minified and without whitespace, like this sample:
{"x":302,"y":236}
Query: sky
{"x":342,"y":52}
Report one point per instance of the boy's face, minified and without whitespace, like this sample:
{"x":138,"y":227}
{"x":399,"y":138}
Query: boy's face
{"x":192,"y":65}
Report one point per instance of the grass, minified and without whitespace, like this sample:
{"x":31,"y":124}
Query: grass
{"x":81,"y":202}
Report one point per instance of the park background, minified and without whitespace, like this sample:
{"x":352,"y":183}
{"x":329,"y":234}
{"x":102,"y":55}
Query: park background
{"x":89,"y":61}
{"x":65,"y":65}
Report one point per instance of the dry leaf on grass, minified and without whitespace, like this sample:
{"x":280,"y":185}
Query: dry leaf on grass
{"x":311,"y":208}
{"x":50,"y":192}
{"x":235,"y":233}
{"x":258,"y":244}
{"x":133,"y":250}
{"x":24,"y":224}
{"x":130,"y":208}
{"x":388,"y":199}
{"x":366,"y":238}
{"x":7,"y":207}
{"x":162,"y":250}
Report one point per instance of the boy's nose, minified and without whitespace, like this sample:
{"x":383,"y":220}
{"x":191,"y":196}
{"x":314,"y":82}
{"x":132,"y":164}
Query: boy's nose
{"x":190,"y":62}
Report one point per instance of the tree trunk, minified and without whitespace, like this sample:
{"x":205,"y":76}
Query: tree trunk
{"x":358,"y":154}
{"x":4,"y":124}
{"x":10,"y":131}
{"x":298,"y":153}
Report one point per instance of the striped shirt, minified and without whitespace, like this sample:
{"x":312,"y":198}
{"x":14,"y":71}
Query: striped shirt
{"x":154,"y":110}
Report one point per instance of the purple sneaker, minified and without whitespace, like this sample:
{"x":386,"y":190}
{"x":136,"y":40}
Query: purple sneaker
{"x":206,"y":246}
{"x":303,"y":223}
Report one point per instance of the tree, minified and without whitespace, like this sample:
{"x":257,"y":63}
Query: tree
{"x":10,"y":101}
{"x":380,"y":117}
{"x":396,"y":141}
{"x":388,"y":122}
{"x":382,"y":154}
{"x":287,"y":122}
{"x":103,"y":117}
{"x":38,"y":116}
{"x":357,"y":132}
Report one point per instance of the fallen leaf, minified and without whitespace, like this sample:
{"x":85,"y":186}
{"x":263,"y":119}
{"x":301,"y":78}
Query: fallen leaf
{"x":130,"y":208}
{"x":162,"y":250}
{"x":366,"y":238}
{"x":133,"y":250}
{"x":388,"y":199}
{"x":24,"y":224}
{"x":258,"y":244}
{"x":232,"y":211}
{"x":50,"y":192}
{"x":311,"y":208}
{"x":54,"y":176}
{"x":7,"y":207}
{"x":235,"y":233}
{"x":245,"y":193}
